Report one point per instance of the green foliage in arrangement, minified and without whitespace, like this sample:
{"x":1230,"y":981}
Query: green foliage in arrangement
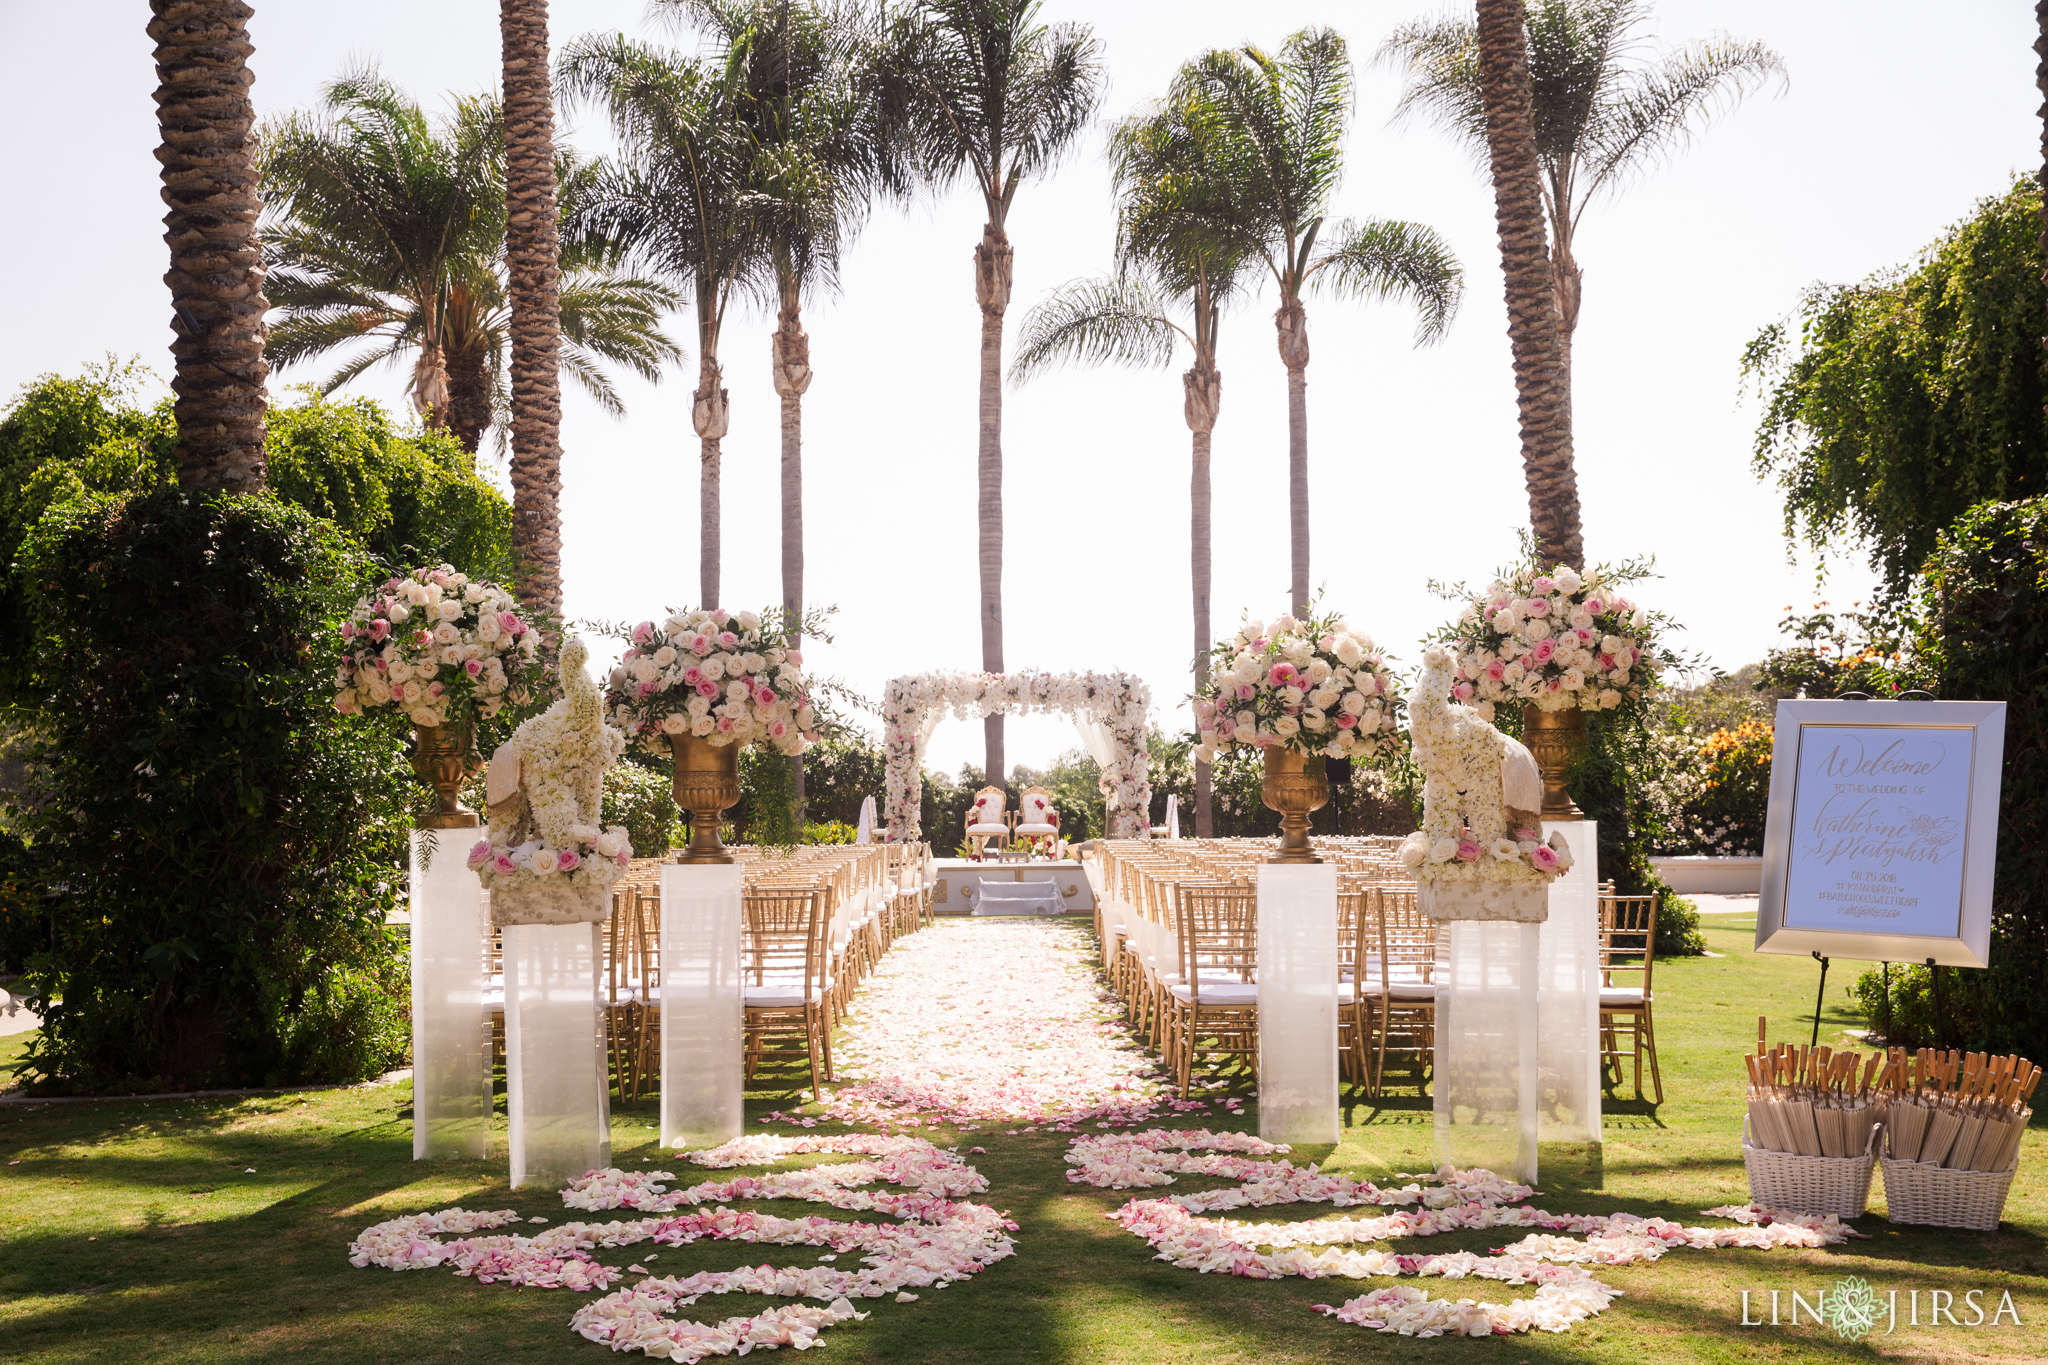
{"x":1901,"y":402}
{"x":1981,"y":633}
{"x":768,"y":812}
{"x":223,"y":849}
{"x":406,"y":498}
{"x":640,"y":796}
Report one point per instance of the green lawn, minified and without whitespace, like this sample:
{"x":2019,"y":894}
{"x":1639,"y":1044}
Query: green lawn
{"x":217,"y":1230}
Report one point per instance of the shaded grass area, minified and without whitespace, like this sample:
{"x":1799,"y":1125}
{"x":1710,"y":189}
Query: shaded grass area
{"x":201,"y":1230}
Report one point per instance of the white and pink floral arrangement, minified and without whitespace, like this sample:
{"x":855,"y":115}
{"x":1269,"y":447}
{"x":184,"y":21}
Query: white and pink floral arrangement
{"x":437,"y":646}
{"x":1114,"y":707}
{"x":545,"y":856}
{"x":1313,"y":686}
{"x":1555,"y":639}
{"x":730,"y":679}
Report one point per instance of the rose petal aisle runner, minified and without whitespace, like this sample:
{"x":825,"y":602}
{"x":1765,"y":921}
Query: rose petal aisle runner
{"x":992,"y":1021}
{"x":1566,"y":1292}
{"x":940,"y":1238}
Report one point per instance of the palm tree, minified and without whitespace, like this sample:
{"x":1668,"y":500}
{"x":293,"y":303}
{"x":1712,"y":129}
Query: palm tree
{"x":382,"y":227}
{"x":805,"y":85}
{"x":684,"y":198}
{"x":1600,"y":111}
{"x":981,"y":89}
{"x":1272,"y":132}
{"x":1169,"y":265}
{"x":533,"y":252}
{"x":206,"y":123}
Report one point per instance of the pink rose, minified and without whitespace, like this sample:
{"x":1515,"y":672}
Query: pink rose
{"x":629,"y":656}
{"x":1225,"y":728}
{"x":511,"y":624}
{"x":1544,"y":857}
{"x":1595,"y":605}
{"x":1607,"y":662}
{"x":1463,"y":691}
{"x":719,"y":614}
{"x":1496,"y":670}
{"x":1555,"y":684}
{"x":1545,"y":586}
{"x":700,"y":645}
{"x":728,"y":640}
{"x":764,"y":696}
{"x":1539,"y":606}
{"x":646,"y":689}
{"x":643,"y":632}
{"x":1345,"y":720}
{"x":795,"y":657}
{"x":382,"y":667}
{"x":623,"y":858}
{"x":1468,"y":850}
{"x":693,"y":675}
{"x":1245,"y":691}
{"x":707,"y":688}
{"x":345,"y":706}
{"x":480,"y":854}
{"x":1545,"y":651}
{"x":1585,"y":635}
{"x":1282,"y":675}
{"x":348,"y":630}
{"x":435,"y":689}
{"x":1528,"y":836}
{"x":503,"y":865}
{"x":778,"y":729}
{"x":379,"y":628}
{"x":473,"y":667}
{"x":569,"y":861}
{"x":725,"y":725}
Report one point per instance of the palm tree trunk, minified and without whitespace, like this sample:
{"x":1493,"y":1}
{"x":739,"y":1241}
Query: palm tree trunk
{"x":1292,"y":323}
{"x":469,"y":396}
{"x":204,"y":117}
{"x":1566,"y":282}
{"x":1203,"y":385}
{"x":1540,"y":395}
{"x":710,"y":414}
{"x":791,"y":350}
{"x":2041,"y":84}
{"x":993,"y":263}
{"x":532,"y":258}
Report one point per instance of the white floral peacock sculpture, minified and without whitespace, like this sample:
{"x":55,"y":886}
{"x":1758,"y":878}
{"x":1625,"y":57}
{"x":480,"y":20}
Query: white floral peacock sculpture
{"x":546,"y":860}
{"x":1480,"y":853}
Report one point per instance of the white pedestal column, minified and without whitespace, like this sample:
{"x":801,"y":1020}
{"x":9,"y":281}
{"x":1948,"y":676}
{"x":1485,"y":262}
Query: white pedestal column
{"x":1298,"y":1003}
{"x":557,"y":1093}
{"x":701,"y":1014}
{"x":1487,"y":1023}
{"x":450,"y":1035}
{"x":1568,"y":1058}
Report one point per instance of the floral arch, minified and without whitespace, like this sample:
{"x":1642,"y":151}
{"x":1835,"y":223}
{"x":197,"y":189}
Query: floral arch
{"x":1109,"y":709}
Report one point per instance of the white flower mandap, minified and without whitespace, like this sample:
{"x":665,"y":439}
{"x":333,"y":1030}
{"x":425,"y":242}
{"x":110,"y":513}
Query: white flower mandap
{"x":1110,"y":710}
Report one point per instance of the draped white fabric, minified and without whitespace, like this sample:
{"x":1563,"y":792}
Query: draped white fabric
{"x":1486,"y":1045}
{"x":1297,"y":962}
{"x":557,"y":1089}
{"x":450,"y":1032}
{"x":1096,"y":739}
{"x":701,"y":1008}
{"x":865,"y":834}
{"x":1568,"y":1059}
{"x":1172,"y":816}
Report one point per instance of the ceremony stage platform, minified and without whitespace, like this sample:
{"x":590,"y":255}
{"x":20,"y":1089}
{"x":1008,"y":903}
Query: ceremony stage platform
{"x":959,"y":881}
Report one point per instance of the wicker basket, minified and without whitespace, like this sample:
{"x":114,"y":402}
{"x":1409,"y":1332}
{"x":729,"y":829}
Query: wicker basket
{"x":1810,"y":1184}
{"x":1922,"y":1192}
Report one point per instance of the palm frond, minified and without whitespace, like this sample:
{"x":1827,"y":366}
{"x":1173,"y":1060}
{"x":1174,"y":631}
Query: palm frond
{"x":1383,"y":259}
{"x":1658,"y":110}
{"x":1093,"y":321}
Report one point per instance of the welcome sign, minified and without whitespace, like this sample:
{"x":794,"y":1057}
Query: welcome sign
{"x":1881,"y":838}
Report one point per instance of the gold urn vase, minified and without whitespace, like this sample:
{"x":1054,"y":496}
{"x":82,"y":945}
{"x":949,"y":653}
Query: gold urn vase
{"x":1557,"y":739}
{"x":1294,"y":785}
{"x":706,"y":784}
{"x":444,"y":757}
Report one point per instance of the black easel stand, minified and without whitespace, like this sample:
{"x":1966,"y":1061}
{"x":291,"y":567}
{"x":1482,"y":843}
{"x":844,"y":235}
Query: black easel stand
{"x":1887,"y":1003}
{"x":1819,"y":995}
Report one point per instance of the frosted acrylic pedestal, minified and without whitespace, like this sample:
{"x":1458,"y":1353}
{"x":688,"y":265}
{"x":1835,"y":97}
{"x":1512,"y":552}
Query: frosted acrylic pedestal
{"x":451,"y":1107}
{"x":1484,"y":1082}
{"x":557,"y":1092}
{"x":701,"y":1009}
{"x":1297,"y":964}
{"x":1568,"y":1006}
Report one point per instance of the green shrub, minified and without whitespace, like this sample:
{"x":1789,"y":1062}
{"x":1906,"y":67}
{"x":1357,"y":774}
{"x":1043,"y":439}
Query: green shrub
{"x":831,"y":832}
{"x":641,"y":797}
{"x":24,"y":910}
{"x":223,"y":845}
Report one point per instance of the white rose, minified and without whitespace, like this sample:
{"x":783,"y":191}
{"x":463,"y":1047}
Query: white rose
{"x":1349,"y":652}
{"x":1581,"y":618}
{"x":379,"y":692}
{"x":1443,"y":850}
{"x":1612,"y":644}
{"x":702,"y":726}
{"x":713,"y":668}
{"x":487,"y":628}
{"x":452,"y":656}
{"x":1609,"y":699}
{"x":416,"y":594}
{"x":529,"y":643}
{"x":673,"y":724}
{"x":1355,"y":703}
{"x":412,"y":692}
{"x":543,"y":860}
{"x":1290,"y":696}
{"x":1314,"y":719}
{"x":446,"y":633}
{"x":1514,"y":673}
{"x":1573,"y":680}
{"x":1323,"y":698}
{"x":1537,"y":629}
{"x":748,"y":621}
{"x":1504,"y":850}
{"x":664,"y":656}
{"x":610,"y":843}
{"x":1414,"y":851}
{"x":737,"y":691}
{"x":399,"y":613}
{"x":1567,"y":580}
{"x":1640,"y":620}
{"x":1287,"y":727}
{"x":450,"y":609}
{"x":699,"y":706}
{"x":1318,"y":671}
{"x":473,"y":594}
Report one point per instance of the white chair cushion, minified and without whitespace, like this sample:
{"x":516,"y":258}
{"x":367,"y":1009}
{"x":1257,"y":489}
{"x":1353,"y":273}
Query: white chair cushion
{"x":1038,"y":829}
{"x":1620,"y":997}
{"x":988,"y":829}
{"x":774,"y":997}
{"x":1222,"y":993}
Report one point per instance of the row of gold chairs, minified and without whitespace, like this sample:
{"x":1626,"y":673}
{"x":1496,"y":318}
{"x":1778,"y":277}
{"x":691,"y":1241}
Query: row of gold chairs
{"x":1178,"y":924}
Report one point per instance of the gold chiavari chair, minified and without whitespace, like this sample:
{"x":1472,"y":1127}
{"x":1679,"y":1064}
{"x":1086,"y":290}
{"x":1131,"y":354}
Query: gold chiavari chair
{"x":782,"y":967}
{"x":1628,"y":954}
{"x":1215,"y":1005}
{"x":1400,"y":989}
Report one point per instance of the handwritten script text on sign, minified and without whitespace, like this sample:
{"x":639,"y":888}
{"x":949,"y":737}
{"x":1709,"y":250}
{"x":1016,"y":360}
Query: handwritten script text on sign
{"x":1877,"y":830}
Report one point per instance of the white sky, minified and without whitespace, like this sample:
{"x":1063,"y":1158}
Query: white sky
{"x":1899,"y":116}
